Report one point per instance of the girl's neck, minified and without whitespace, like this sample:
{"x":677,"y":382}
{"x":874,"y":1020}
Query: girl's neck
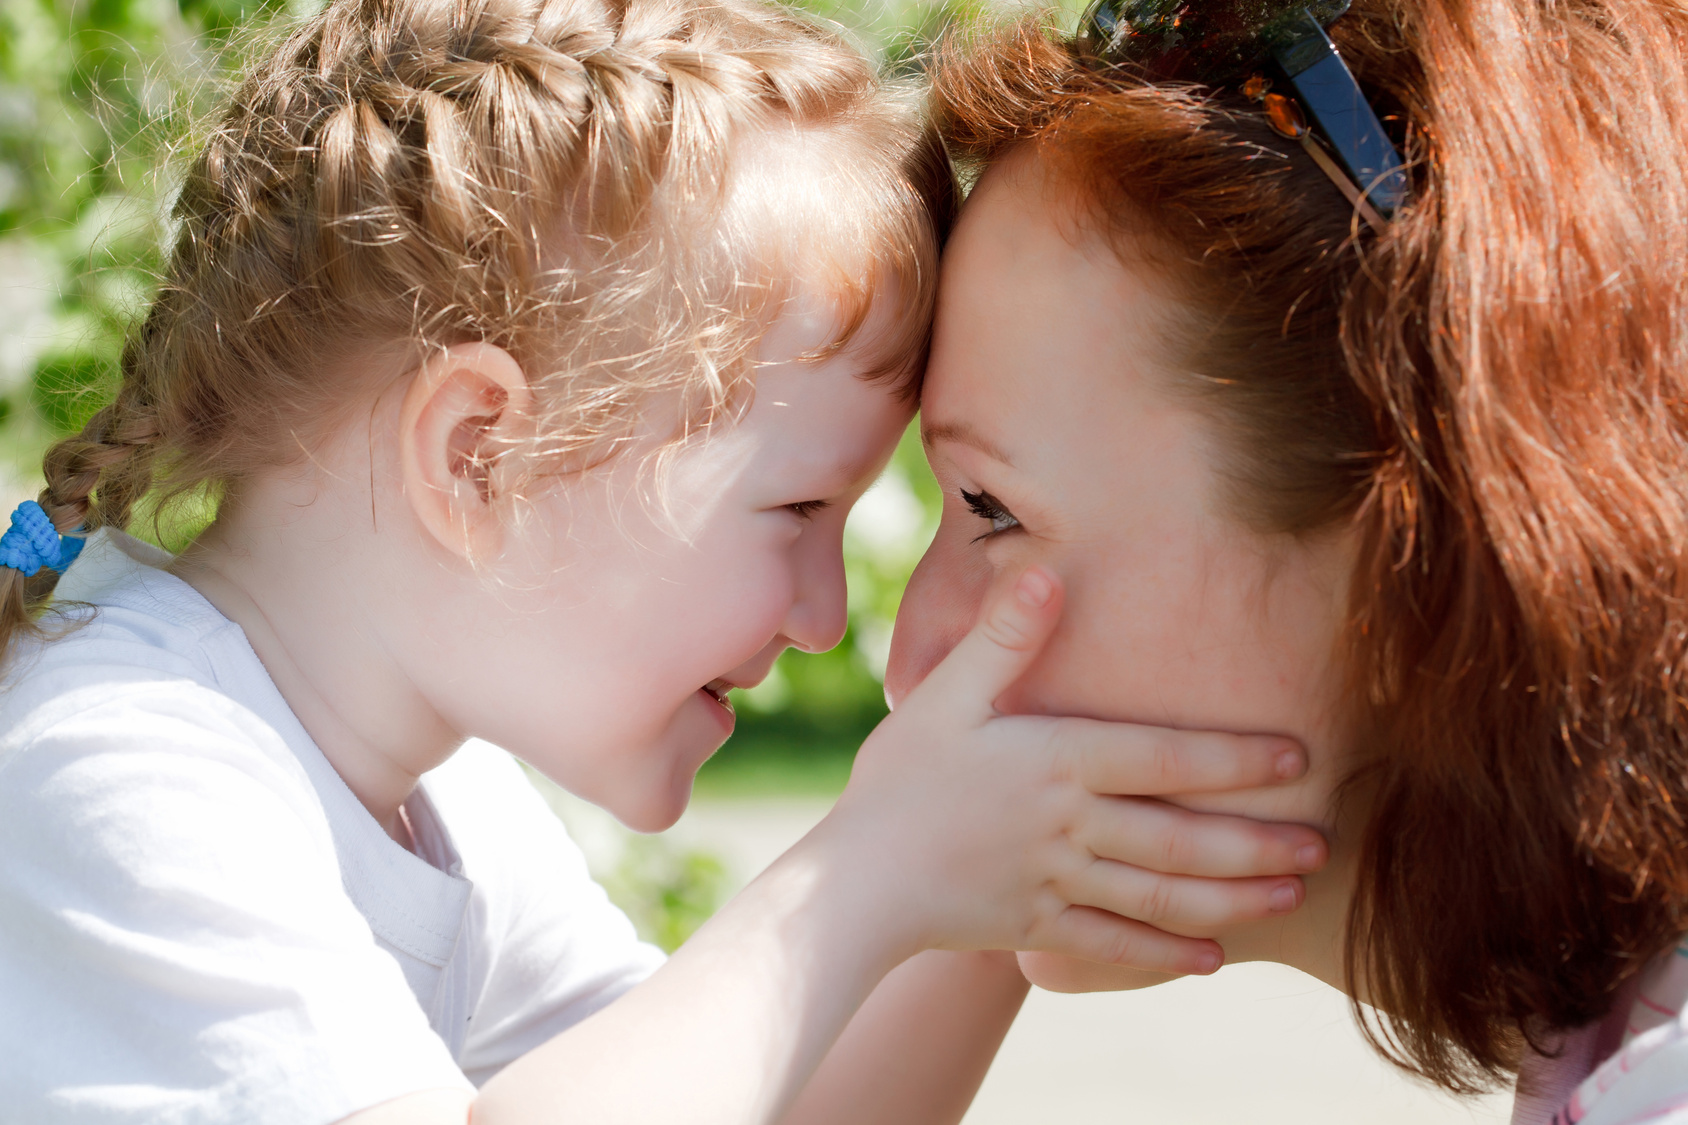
{"x":288,"y":566}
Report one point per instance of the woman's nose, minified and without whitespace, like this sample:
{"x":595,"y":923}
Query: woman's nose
{"x":937,"y":610}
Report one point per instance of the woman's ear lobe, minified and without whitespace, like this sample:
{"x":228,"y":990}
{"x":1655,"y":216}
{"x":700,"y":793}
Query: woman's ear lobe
{"x":459,"y":414}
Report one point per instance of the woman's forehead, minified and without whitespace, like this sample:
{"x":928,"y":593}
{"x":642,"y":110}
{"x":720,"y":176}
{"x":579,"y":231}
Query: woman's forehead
{"x":1033,"y":322}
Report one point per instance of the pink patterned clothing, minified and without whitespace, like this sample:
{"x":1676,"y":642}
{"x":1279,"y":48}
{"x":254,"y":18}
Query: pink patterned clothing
{"x":1629,"y":1069}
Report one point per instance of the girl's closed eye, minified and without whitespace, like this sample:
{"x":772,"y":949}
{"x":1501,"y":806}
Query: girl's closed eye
{"x":807,"y":509}
{"x":988,"y":507}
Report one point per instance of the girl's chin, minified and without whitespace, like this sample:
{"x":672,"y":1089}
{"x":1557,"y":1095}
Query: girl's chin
{"x":654,"y":816}
{"x":697,"y":732}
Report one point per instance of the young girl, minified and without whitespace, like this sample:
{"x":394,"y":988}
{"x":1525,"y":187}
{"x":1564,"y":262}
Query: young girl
{"x":534,"y":353}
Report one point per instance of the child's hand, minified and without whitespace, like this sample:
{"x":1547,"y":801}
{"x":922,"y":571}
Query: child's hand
{"x":1023,"y":832}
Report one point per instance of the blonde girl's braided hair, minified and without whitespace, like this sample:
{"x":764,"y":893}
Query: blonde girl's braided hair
{"x":611,"y":191}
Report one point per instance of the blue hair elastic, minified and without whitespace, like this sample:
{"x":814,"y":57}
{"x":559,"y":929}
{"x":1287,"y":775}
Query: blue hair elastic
{"x":32,"y":542}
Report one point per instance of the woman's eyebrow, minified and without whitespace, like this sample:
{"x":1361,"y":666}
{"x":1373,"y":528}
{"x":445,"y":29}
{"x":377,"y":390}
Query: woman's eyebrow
{"x":934,"y":432}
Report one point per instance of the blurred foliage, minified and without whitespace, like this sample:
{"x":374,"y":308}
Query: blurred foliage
{"x":668,"y":892}
{"x":94,"y":96}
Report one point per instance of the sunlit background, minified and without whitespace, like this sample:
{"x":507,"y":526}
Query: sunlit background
{"x":95,"y":98}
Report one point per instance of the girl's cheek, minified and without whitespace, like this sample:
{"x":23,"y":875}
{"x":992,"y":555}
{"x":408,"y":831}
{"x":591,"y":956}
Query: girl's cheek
{"x":752,"y":607}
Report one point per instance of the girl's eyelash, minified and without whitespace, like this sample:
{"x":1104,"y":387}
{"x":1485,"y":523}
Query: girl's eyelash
{"x":807,"y":508}
{"x":988,"y":507}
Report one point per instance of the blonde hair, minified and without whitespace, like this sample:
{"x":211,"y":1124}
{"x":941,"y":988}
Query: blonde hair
{"x":552,"y":176}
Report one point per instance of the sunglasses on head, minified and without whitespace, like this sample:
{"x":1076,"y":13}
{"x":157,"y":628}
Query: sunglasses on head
{"x":1275,"y":53}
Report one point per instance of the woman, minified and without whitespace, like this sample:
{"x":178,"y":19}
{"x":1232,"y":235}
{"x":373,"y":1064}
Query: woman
{"x":1409,"y":487}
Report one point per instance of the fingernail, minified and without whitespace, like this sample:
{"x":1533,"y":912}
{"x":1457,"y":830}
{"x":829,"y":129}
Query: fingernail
{"x":1035,"y":588}
{"x":1291,"y":763}
{"x":1208,"y":962}
{"x":1282,"y":899}
{"x":1310,"y":857}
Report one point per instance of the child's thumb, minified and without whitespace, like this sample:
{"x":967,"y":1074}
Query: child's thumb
{"x":1016,"y":620}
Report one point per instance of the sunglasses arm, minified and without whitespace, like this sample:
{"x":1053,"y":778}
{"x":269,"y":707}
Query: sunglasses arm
{"x":1327,"y":91}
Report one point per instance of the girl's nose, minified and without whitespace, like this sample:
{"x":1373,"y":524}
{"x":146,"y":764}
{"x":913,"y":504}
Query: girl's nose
{"x":819,"y":614}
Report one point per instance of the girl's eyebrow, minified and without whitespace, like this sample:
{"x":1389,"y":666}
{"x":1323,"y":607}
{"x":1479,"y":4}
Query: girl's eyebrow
{"x":934,"y":432}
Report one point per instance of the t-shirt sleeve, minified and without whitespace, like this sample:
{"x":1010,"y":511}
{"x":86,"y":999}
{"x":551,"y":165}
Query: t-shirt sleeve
{"x":176,"y":944}
{"x":558,"y":949}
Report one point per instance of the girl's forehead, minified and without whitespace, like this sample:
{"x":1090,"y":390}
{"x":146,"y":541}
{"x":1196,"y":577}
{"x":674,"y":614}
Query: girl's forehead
{"x":838,"y":219}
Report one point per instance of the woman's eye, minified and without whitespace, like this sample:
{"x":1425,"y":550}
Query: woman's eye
{"x":988,"y":507}
{"x":806,"y":509}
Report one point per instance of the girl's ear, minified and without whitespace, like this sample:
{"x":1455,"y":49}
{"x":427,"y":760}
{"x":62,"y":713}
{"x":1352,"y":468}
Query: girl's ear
{"x":458,"y":417}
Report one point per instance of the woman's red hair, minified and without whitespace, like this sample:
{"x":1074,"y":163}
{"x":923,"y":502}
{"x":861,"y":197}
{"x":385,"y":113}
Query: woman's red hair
{"x":1494,"y":394}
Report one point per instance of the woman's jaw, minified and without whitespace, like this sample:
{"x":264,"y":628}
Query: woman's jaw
{"x":1055,"y":424}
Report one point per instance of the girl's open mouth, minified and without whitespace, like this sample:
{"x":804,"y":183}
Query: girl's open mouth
{"x":717,"y":690}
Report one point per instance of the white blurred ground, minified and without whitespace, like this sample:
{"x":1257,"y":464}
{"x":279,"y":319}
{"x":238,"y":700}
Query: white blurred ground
{"x":1256,"y":1043}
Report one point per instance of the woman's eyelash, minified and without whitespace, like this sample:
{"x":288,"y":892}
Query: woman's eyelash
{"x":988,"y":507}
{"x":808,"y":508}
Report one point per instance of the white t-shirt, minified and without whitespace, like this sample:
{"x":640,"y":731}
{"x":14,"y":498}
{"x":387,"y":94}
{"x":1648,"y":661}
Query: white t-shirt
{"x":199,"y":922}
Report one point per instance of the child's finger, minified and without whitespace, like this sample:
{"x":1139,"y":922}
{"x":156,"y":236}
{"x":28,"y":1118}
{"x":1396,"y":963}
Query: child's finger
{"x":1017,"y":619}
{"x":1096,"y":935}
{"x":1133,"y":760}
{"x":1056,"y":972}
{"x":1180,"y":903}
{"x":1180,"y":842}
